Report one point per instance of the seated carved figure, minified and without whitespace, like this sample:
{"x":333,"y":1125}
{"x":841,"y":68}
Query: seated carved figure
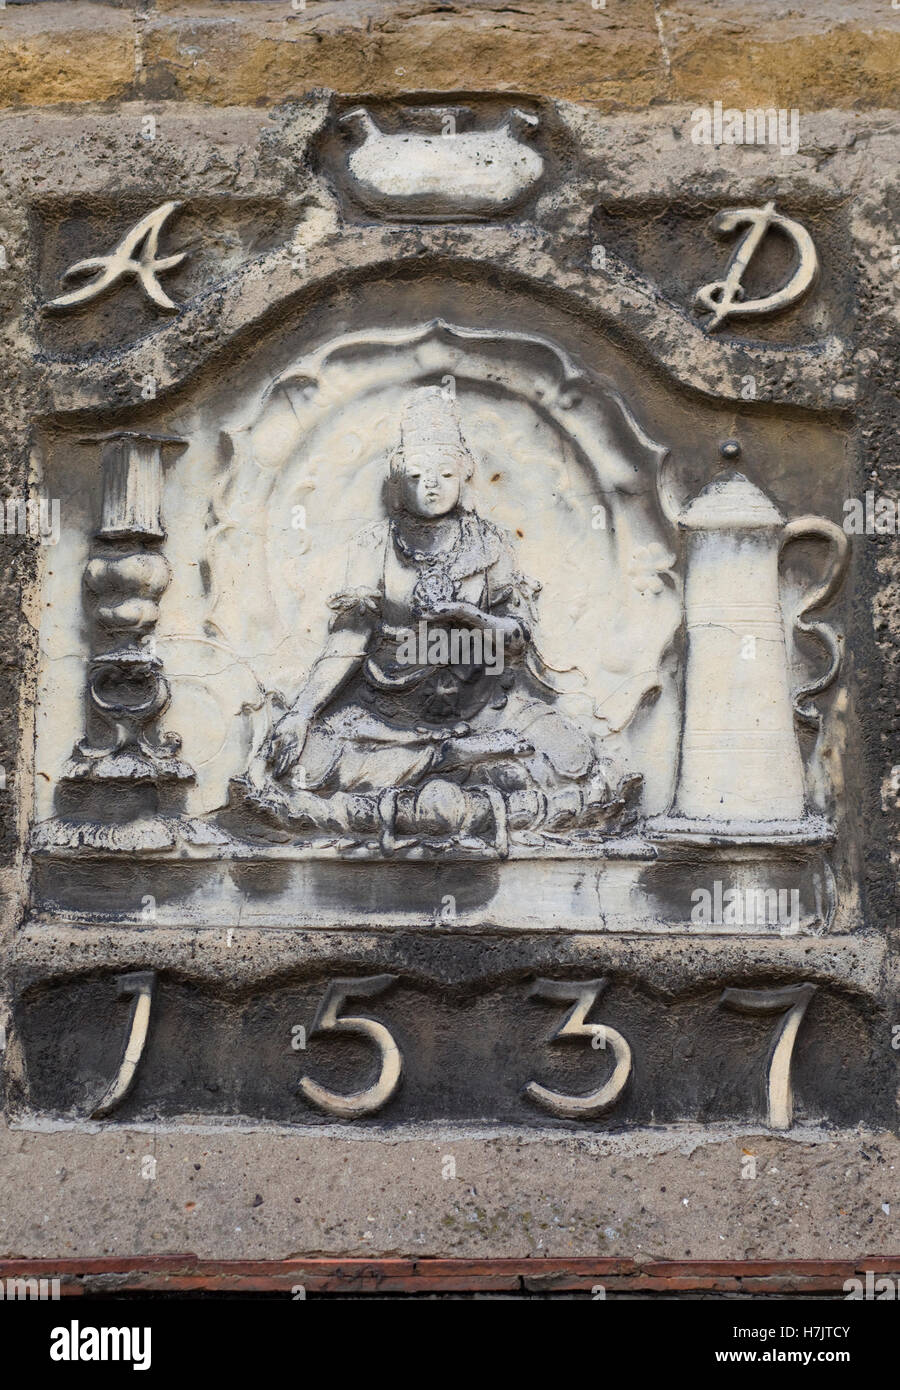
{"x":429,"y":721}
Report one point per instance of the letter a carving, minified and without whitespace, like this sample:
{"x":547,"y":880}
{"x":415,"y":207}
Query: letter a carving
{"x":143,"y":239}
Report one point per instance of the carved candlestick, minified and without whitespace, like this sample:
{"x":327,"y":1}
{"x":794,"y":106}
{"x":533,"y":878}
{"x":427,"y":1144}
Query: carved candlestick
{"x":125,"y":579}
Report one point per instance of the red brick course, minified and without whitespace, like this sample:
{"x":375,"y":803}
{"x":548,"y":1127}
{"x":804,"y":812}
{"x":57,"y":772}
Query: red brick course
{"x":187,"y":1273}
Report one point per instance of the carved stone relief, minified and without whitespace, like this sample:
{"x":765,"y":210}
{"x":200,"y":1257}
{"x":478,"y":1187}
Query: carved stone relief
{"x":452,"y":174}
{"x":449,"y":631}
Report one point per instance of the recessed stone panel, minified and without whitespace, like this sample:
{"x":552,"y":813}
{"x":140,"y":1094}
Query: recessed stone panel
{"x":451,"y":636}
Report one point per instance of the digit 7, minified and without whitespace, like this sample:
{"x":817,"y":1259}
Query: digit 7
{"x":791,"y":1001}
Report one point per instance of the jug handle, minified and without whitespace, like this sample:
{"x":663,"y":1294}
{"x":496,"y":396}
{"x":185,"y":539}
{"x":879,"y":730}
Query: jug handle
{"x":834,"y":578}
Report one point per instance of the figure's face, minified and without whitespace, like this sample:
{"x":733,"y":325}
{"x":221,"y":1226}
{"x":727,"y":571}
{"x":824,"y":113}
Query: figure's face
{"x":430,"y":483}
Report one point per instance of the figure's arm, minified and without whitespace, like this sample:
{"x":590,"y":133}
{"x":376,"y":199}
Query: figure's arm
{"x":515,"y":635}
{"x":331,"y":671}
{"x":505,"y":613}
{"x":355,"y":616}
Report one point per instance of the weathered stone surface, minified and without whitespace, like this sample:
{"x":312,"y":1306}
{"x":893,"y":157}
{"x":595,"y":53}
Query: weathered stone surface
{"x":640,"y":1197}
{"x":80,"y":53}
{"x":294,"y":281}
{"x":619,"y":56}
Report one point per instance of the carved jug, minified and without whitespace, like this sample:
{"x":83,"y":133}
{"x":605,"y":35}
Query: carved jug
{"x":740,"y":756}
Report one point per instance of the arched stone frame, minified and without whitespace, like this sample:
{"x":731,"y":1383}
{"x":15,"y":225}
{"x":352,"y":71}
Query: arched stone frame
{"x":720,"y":361}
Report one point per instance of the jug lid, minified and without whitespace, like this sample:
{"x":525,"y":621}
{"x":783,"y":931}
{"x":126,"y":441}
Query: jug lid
{"x":730,"y":502}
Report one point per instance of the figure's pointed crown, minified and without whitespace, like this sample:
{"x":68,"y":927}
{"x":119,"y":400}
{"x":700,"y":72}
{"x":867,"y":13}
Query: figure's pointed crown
{"x":430,"y":421}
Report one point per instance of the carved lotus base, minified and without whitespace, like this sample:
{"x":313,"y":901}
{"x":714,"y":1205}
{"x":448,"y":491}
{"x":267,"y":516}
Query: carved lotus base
{"x":438,"y":820}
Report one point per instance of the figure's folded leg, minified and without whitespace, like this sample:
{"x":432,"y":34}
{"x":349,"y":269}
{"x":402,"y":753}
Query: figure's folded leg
{"x":472,"y":749}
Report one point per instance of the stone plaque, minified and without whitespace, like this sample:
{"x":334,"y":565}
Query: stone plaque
{"x":451,"y":693}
